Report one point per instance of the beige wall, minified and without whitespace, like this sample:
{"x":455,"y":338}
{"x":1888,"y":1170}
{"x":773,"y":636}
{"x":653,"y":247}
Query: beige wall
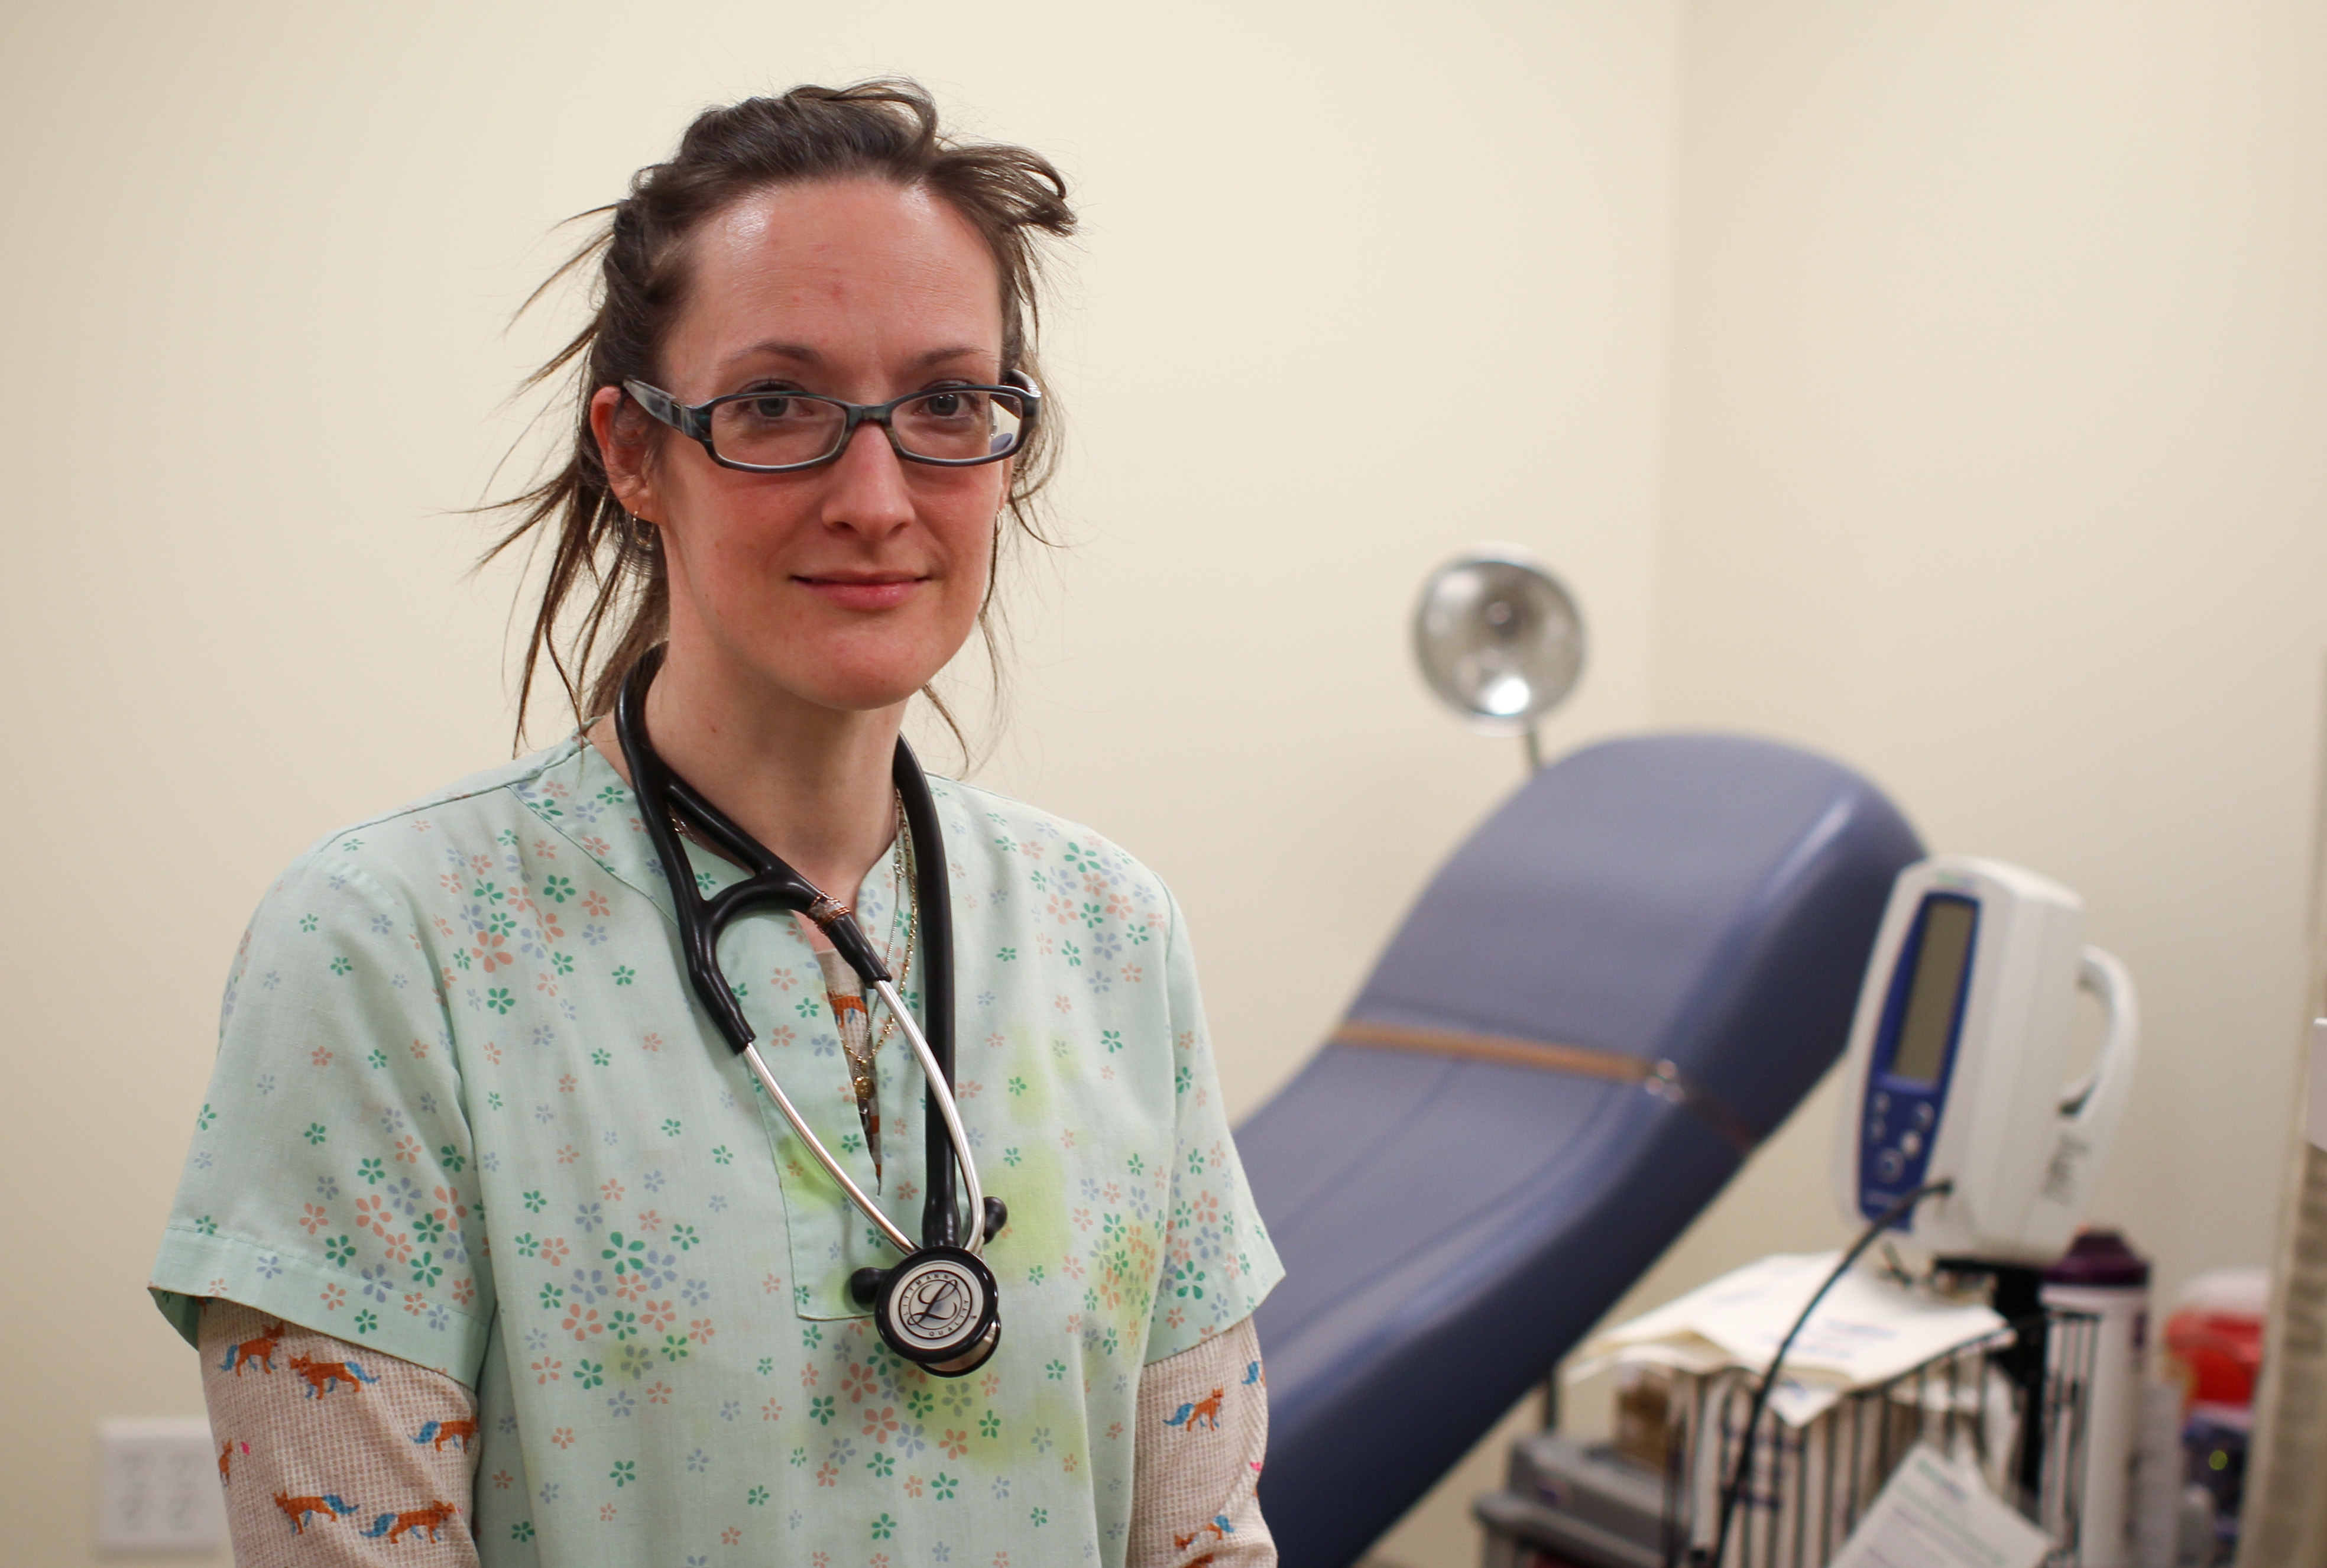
{"x":259,"y":261}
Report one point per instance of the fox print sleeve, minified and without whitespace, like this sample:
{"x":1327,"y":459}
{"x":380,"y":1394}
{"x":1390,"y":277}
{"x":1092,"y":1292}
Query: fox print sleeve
{"x":333,"y":1455}
{"x":1204,"y":1432}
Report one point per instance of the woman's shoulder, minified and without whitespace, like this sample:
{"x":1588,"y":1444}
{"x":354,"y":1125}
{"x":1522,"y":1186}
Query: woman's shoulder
{"x":478,"y":818}
{"x":1013,"y":841}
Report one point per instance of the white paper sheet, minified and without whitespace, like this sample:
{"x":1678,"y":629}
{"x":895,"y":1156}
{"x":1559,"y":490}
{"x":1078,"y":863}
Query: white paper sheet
{"x":1936,"y":1512}
{"x":1868,"y":1330}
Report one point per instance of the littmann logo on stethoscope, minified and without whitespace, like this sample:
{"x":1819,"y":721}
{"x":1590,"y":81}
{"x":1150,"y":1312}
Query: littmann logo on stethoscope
{"x":936,"y":1305}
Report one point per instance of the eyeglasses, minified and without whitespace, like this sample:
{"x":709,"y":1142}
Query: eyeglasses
{"x":779,"y":432}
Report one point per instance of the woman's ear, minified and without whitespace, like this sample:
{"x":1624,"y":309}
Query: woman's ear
{"x":625,"y":437}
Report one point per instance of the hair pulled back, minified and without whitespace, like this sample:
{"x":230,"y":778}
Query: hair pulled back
{"x":605,"y":599}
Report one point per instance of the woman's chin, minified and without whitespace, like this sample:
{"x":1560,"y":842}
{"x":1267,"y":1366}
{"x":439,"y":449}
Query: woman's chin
{"x":867,"y":693}
{"x":862,"y":674}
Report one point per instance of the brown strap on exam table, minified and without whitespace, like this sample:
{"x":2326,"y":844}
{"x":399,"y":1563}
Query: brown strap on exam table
{"x":1660,"y":1078}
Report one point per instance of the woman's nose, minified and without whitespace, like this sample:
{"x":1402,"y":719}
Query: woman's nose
{"x":868,"y":491}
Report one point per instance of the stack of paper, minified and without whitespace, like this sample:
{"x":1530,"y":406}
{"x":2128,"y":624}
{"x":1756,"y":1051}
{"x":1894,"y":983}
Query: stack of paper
{"x":1868,"y":1330}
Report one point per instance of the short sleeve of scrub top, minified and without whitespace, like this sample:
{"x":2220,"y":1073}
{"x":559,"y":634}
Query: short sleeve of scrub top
{"x":1214,"y":1242}
{"x":467,"y":1110}
{"x":332,"y":1177}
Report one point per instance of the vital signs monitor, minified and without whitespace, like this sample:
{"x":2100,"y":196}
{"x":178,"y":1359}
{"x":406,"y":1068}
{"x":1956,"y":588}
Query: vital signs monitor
{"x":1957,"y":1066}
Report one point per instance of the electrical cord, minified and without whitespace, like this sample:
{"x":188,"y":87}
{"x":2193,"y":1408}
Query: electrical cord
{"x":1745,"y":1468}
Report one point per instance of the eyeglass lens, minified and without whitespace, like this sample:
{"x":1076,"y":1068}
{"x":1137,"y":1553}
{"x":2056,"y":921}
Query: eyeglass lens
{"x":952,"y":426}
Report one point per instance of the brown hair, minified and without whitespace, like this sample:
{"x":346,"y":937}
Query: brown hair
{"x":601,"y":560}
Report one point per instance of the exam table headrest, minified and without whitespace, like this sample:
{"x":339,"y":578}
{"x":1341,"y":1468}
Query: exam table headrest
{"x":1628,"y":975}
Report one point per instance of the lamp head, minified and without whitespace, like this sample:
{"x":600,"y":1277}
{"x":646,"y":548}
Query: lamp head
{"x":1498,"y":639}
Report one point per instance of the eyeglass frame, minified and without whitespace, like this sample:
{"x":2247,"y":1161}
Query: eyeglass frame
{"x":693,"y":421}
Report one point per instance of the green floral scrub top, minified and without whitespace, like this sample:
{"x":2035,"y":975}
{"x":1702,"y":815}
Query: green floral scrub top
{"x":467,"y":1110}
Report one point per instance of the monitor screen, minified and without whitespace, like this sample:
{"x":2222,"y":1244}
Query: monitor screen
{"x":1928,"y":1020}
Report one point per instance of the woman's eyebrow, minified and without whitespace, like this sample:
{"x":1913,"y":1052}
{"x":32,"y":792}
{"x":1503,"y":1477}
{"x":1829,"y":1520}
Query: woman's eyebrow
{"x":773,"y":348}
{"x":804,"y":354}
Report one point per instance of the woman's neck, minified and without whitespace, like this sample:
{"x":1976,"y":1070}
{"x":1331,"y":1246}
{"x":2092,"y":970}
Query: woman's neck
{"x":811,"y":783}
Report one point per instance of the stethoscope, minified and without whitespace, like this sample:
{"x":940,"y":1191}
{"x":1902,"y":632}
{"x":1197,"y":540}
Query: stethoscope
{"x":937,"y":1307}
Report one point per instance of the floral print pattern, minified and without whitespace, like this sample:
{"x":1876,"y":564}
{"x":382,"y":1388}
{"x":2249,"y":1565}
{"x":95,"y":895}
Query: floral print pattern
{"x":468,"y":1113}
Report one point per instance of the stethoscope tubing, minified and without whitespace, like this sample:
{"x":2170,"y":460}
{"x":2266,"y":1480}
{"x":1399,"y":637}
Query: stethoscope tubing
{"x":943,"y":1143}
{"x":823,"y":1155}
{"x":772,"y":881}
{"x":942,"y":1095}
{"x":969,"y":1234}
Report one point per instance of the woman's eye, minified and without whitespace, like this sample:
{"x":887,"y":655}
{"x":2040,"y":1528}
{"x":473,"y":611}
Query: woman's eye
{"x":949,"y":408}
{"x":769,"y":408}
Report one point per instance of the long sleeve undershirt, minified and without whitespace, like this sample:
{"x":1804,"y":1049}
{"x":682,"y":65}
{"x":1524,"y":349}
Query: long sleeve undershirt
{"x":335,"y":1456}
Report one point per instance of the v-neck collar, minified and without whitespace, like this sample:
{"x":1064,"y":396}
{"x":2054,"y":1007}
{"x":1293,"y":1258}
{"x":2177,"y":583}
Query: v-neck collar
{"x":579,"y":796}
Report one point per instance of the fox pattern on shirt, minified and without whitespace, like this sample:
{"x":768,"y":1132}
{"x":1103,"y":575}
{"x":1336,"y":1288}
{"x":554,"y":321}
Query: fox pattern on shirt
{"x":1195,"y":1502}
{"x":352,"y":1479}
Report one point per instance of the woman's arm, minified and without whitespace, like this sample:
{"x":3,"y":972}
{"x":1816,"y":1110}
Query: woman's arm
{"x":333,"y":1455}
{"x":1196,"y":1458}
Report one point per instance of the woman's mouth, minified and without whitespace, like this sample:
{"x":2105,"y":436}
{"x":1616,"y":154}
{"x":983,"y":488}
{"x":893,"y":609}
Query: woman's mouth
{"x":863,"y":590}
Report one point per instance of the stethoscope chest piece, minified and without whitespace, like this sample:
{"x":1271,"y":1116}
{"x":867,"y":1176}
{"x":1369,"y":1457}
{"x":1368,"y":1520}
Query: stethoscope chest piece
{"x":938,"y":1310}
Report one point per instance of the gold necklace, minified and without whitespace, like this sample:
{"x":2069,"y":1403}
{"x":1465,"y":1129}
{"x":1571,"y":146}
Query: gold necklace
{"x":864,"y":1075}
{"x":909,"y":899}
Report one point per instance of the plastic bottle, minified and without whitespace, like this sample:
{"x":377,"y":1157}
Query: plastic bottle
{"x":2102,"y":1275}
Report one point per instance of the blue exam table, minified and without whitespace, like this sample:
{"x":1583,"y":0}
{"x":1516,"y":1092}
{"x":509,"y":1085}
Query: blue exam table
{"x":1629,"y":975}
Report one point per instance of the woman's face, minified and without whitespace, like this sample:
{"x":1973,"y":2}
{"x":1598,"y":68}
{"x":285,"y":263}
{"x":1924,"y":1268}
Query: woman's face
{"x":850,"y":585}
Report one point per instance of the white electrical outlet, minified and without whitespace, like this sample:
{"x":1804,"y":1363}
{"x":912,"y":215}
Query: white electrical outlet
{"x":158,"y":1486}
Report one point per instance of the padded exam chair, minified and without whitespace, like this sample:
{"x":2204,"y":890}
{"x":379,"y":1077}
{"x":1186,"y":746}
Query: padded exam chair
{"x":1626,"y":978}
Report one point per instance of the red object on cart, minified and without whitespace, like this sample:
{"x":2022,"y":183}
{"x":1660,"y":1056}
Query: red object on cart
{"x":2213,"y":1338}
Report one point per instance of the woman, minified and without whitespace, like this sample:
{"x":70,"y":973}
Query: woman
{"x":487,"y":1235}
